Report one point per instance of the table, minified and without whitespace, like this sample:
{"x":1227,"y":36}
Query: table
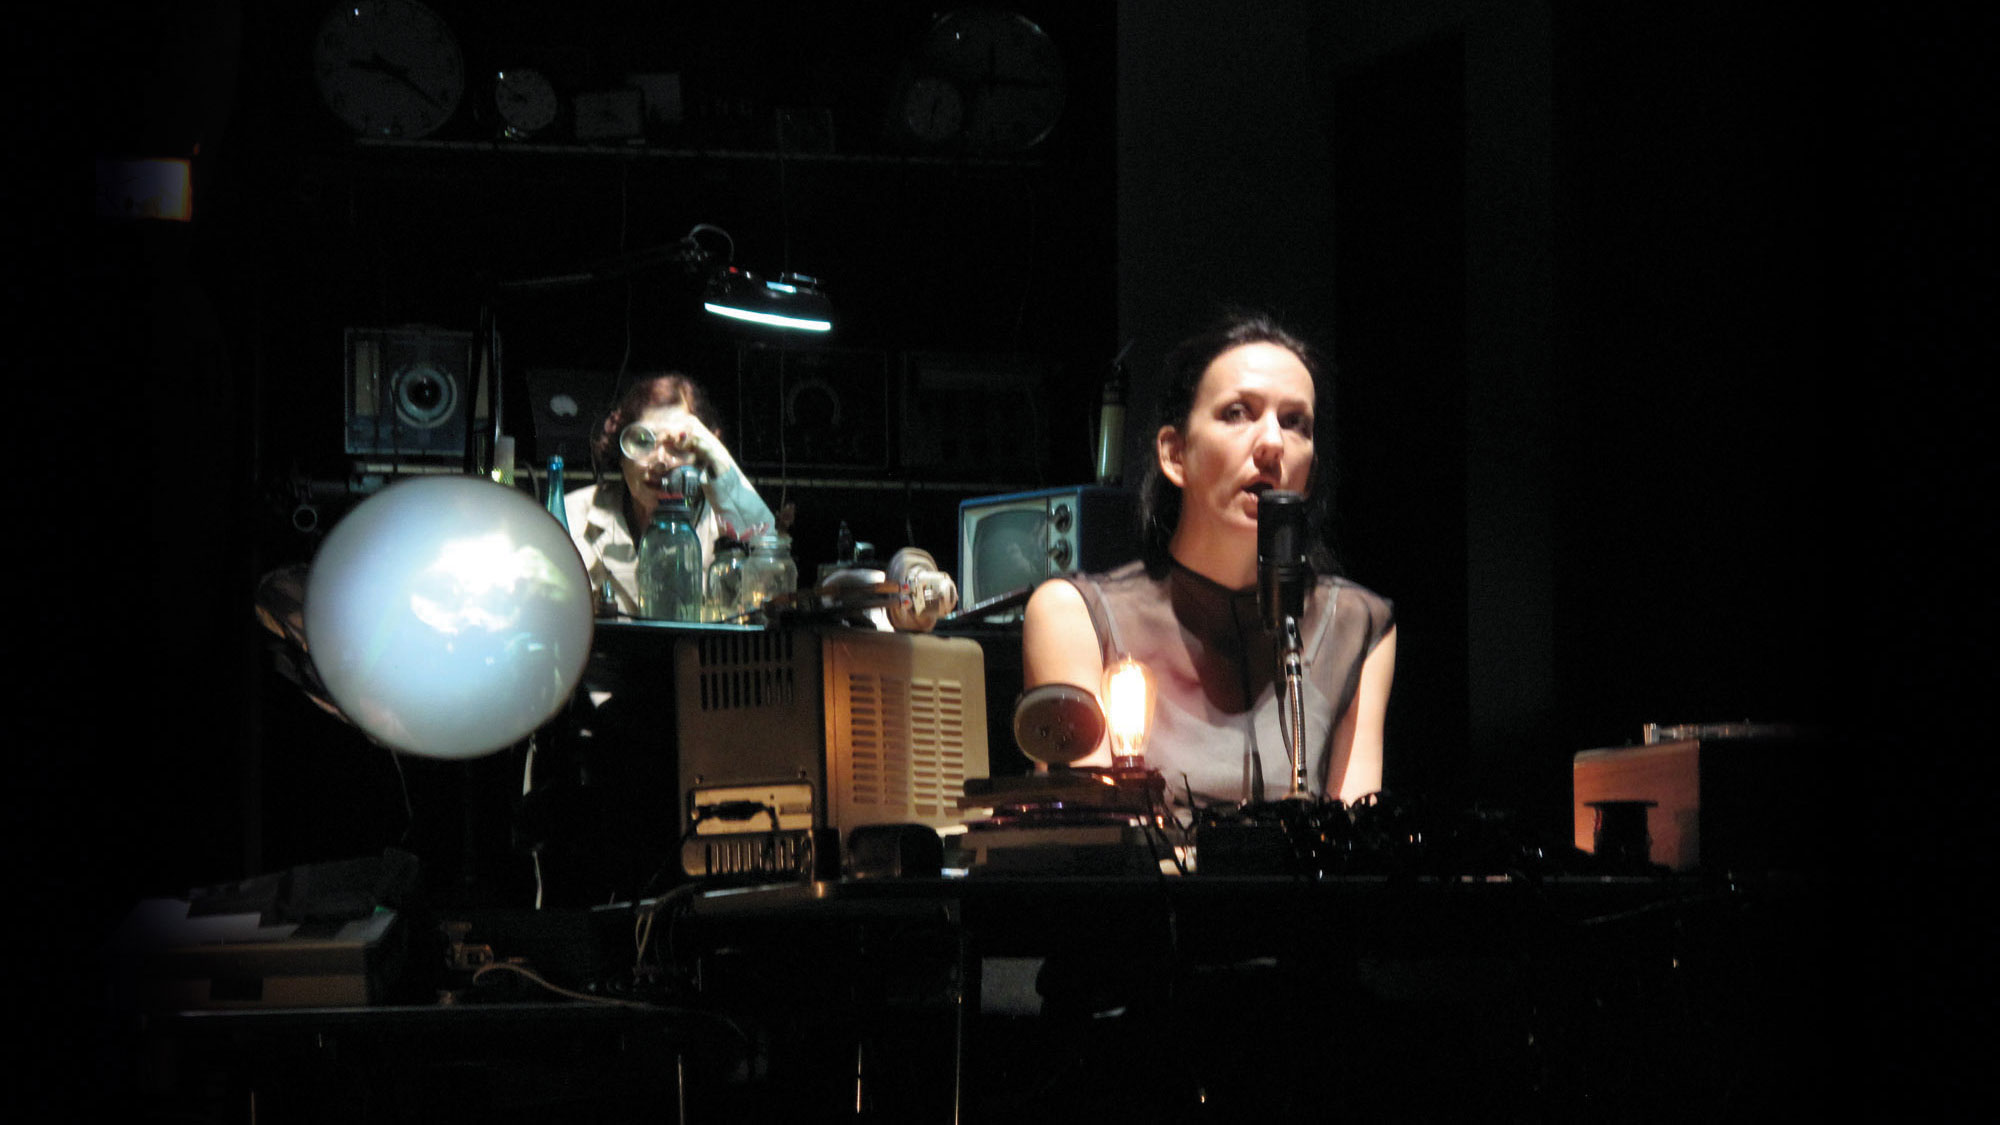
{"x":1009,"y":998}
{"x":1179,"y":996}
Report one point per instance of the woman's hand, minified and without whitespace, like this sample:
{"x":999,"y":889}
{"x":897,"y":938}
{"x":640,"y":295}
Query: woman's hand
{"x":686,"y":436}
{"x":742,"y":535}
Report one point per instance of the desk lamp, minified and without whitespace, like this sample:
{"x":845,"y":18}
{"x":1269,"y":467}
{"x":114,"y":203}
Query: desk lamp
{"x":792,"y":301}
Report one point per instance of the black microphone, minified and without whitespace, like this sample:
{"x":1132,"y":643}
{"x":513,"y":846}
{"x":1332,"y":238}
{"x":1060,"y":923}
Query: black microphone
{"x":1282,"y":570}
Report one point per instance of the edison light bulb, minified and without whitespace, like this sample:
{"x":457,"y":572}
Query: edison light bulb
{"x":1128,"y":711}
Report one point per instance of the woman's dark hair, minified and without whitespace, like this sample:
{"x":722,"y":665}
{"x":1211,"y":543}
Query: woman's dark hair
{"x":1160,"y":498}
{"x":646,"y":392}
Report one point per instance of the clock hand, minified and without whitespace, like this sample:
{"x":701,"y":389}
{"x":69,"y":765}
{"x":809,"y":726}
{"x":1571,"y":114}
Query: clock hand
{"x":379,"y":65}
{"x":1019,"y":83}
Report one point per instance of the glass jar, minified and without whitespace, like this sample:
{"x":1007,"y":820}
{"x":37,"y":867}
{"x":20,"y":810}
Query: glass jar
{"x":669,"y":570}
{"x":723,"y":598}
{"x":769,"y":571}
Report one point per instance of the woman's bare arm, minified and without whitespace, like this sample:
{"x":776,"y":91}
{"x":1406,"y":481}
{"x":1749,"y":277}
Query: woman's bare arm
{"x":1357,"y":741}
{"x":1059,"y":646}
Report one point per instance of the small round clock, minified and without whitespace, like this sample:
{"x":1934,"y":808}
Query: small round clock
{"x":388,"y":68}
{"x":524,"y":102}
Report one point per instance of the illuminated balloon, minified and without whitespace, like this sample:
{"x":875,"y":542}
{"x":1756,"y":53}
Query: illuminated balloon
{"x":448,"y":616}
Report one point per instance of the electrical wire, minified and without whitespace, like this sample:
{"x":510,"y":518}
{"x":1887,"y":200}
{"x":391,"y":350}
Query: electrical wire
{"x":1028,"y":271}
{"x":742,"y":1037}
{"x":624,"y":228}
{"x":648,"y":914}
{"x":1159,"y":814}
{"x":543,"y":982}
{"x":784,"y":458}
{"x":711,"y":228}
{"x":409,"y":807}
{"x":527,"y":788}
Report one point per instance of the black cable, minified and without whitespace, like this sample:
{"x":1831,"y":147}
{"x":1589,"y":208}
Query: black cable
{"x":1160,"y":814}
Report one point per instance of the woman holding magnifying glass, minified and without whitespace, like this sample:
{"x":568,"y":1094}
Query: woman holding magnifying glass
{"x":661,"y":423}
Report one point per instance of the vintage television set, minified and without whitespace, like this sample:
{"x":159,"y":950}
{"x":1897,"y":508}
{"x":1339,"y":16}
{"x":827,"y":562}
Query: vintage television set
{"x":1012,"y":542}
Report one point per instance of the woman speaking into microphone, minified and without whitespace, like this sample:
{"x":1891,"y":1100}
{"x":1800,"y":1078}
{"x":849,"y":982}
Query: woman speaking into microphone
{"x":1237,"y":421}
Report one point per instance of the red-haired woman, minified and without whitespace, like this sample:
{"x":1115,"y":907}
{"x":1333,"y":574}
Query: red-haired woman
{"x":661,"y":423}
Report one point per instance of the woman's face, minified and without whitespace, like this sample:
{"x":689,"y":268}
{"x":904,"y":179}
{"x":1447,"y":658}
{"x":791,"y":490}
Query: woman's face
{"x":645,"y":475}
{"x":1251,"y":429}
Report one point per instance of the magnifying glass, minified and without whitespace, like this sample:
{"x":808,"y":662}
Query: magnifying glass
{"x":638,"y":441}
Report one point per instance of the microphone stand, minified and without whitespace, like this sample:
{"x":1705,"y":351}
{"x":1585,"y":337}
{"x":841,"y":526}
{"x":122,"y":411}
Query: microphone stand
{"x":1291,"y":660}
{"x":1282,"y":574}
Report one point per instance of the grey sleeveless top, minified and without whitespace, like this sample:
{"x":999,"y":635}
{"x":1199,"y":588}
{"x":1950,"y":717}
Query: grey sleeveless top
{"x":1216,"y":729}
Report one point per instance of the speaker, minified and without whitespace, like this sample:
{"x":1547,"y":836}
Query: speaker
{"x":409,"y":392}
{"x":812,"y":407}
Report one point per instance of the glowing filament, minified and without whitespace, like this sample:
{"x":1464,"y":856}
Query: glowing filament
{"x":1128,"y":710}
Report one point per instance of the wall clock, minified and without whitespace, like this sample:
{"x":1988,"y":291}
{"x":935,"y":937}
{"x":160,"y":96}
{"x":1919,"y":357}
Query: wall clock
{"x":1008,"y":70}
{"x":388,"y":68}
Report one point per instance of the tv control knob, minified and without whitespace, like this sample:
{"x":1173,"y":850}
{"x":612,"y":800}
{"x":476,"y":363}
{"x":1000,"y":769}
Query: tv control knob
{"x":1061,"y":518}
{"x":1059,"y":553}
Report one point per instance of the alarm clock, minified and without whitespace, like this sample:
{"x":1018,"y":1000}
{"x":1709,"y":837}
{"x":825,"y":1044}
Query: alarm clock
{"x":523,"y":102}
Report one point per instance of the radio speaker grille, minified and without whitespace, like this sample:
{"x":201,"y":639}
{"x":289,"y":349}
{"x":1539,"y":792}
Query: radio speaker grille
{"x":746,"y":671}
{"x":899,"y":743}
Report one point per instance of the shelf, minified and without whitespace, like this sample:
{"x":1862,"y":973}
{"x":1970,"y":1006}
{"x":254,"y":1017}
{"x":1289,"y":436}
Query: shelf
{"x":576,"y":476}
{"x":649,"y":152}
{"x":876,"y":484}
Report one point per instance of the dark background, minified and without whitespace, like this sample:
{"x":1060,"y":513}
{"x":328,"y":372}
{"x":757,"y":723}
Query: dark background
{"x":1661,"y":337}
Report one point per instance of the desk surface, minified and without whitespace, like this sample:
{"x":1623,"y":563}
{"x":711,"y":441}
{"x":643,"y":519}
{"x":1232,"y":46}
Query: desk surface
{"x":825,"y":973}
{"x":1246,"y":915}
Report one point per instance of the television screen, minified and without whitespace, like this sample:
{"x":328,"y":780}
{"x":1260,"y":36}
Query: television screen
{"x":1008,"y":550}
{"x":1014,"y":542}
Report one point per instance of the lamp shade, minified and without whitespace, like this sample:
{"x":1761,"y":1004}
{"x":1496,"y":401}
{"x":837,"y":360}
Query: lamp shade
{"x":793,"y":301}
{"x":1058,"y":724}
{"x":448,"y":616}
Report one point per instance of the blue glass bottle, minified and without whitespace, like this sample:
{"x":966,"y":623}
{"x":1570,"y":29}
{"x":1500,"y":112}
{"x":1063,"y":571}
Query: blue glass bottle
{"x":555,"y":497}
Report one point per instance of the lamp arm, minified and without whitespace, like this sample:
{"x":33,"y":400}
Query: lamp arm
{"x":688,"y":253}
{"x":699,"y":228}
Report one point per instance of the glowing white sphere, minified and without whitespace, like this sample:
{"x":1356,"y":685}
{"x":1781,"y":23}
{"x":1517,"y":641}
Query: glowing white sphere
{"x":448,"y":616}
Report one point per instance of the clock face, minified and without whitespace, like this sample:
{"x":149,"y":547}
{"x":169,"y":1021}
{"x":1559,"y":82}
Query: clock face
{"x":525,"y":100}
{"x":933,"y":109}
{"x":388,"y":68}
{"x":1010,"y":71}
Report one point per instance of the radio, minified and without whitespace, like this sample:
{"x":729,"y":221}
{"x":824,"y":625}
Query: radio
{"x":791,"y":739}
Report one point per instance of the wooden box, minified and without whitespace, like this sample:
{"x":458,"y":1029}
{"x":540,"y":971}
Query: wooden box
{"x":1720,"y":803}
